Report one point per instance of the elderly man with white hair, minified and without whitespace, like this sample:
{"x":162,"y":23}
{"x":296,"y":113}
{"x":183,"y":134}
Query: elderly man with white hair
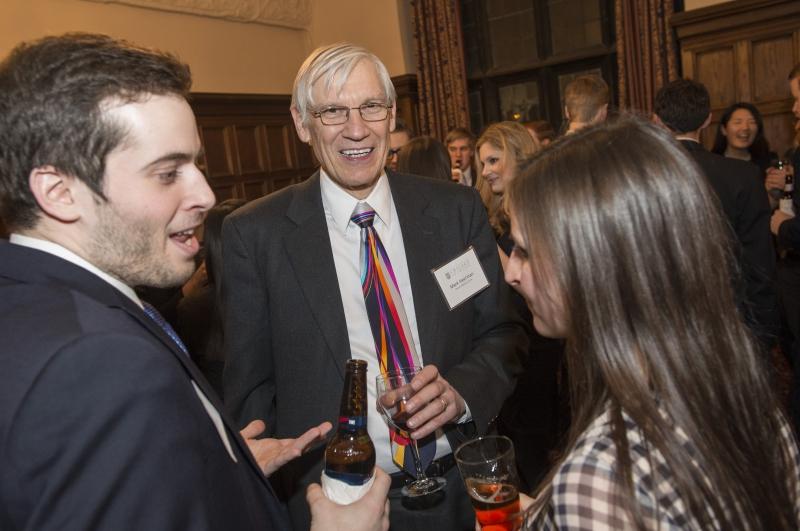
{"x":296,"y":310}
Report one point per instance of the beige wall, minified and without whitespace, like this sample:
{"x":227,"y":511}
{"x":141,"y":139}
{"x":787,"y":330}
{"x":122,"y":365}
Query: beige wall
{"x":695,"y":4}
{"x":266,"y":58}
{"x":379,"y":25}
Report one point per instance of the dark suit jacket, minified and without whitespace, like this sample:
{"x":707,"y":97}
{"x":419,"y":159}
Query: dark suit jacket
{"x":741,"y":192}
{"x":100,"y":426}
{"x":286,"y":333}
{"x":789,"y":232}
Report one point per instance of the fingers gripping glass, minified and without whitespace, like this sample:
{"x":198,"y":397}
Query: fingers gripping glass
{"x":394,"y":390}
{"x":370,"y":112}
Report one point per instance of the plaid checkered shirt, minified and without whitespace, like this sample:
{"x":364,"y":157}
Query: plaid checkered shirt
{"x":584,"y":490}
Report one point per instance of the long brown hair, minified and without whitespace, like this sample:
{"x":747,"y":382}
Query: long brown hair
{"x":517,"y":145}
{"x":638,"y":247}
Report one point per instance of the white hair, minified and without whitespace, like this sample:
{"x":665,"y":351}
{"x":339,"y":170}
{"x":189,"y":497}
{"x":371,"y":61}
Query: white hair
{"x":333,"y":64}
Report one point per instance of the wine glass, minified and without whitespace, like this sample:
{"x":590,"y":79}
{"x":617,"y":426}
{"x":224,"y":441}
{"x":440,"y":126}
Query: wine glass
{"x":394,"y":391}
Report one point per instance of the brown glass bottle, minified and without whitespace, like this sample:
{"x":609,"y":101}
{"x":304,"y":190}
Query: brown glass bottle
{"x":350,"y":454}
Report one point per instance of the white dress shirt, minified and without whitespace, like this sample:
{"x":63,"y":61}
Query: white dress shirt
{"x":345,"y":239}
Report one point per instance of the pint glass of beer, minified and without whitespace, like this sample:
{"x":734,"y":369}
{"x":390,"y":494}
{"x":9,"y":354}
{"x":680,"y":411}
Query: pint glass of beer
{"x":489,"y":471}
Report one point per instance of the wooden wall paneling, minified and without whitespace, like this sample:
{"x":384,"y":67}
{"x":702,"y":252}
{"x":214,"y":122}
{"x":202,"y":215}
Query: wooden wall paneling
{"x":743,"y":51}
{"x":250,"y":144}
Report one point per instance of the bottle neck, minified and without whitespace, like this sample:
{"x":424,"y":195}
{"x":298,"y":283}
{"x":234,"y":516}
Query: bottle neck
{"x":353,"y":409}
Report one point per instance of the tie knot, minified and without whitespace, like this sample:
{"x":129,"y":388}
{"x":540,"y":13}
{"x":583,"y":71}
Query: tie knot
{"x":363,"y":215}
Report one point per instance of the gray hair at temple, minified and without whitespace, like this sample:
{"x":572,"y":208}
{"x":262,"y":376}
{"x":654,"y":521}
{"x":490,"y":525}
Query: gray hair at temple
{"x":332,"y":65}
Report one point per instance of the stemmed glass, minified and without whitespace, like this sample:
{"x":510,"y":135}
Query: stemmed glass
{"x":394,"y":391}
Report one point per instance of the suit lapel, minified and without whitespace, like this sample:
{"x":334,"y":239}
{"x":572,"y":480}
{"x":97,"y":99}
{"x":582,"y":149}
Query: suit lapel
{"x":17,"y":262}
{"x":421,"y":239}
{"x":310,"y":253}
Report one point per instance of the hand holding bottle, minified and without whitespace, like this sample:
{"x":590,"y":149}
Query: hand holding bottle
{"x":370,"y":513}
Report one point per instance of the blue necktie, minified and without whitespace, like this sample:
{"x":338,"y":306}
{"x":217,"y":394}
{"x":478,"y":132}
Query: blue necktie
{"x":157,"y":318}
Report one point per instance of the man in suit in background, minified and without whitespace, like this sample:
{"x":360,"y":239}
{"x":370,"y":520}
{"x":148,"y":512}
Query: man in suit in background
{"x":399,"y":137}
{"x":683,"y":107}
{"x":586,"y":100}
{"x":105,"y":422}
{"x":786,"y":229}
{"x":294,"y":307}
{"x":461,"y":148}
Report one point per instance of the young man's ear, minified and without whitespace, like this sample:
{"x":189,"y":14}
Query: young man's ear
{"x":55,"y":193}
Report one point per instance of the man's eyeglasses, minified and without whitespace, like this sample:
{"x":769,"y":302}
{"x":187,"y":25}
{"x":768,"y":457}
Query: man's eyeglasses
{"x":370,"y":112}
{"x":392,"y":152}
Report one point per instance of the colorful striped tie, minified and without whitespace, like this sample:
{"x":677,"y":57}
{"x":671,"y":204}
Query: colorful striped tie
{"x":394,"y":344}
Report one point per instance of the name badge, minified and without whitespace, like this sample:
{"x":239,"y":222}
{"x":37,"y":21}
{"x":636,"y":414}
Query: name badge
{"x":461,"y":278}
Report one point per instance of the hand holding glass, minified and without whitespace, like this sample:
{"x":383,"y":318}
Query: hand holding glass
{"x":394,"y":391}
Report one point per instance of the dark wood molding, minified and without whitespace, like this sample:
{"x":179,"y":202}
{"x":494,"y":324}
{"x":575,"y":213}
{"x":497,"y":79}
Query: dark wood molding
{"x":407,"y":99}
{"x":731,"y":16}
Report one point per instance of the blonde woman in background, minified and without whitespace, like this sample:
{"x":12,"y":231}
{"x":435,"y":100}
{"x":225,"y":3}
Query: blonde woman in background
{"x":499,"y":152}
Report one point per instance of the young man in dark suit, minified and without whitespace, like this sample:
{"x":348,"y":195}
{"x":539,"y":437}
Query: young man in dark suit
{"x":296,"y":312}
{"x":105,"y":423}
{"x":683,"y":107}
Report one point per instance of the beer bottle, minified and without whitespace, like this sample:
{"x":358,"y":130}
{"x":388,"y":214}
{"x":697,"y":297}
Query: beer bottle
{"x":787,"y":198}
{"x":350,"y":454}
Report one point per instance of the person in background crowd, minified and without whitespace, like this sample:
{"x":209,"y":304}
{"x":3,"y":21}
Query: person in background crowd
{"x":533,"y":416}
{"x":399,"y":137}
{"x":786,"y":229}
{"x":425,"y":156}
{"x":586,"y":100}
{"x":500,"y":151}
{"x":461,"y":147}
{"x":683,"y":107}
{"x":295,"y":308}
{"x":542,"y":131}
{"x":675,"y":424}
{"x":199,"y":319}
{"x":740,"y":135}
{"x":105,"y":422}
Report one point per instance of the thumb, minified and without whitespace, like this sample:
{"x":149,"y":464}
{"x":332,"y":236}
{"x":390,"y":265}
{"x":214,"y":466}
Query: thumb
{"x":254,"y":429}
{"x":380,"y":488}
{"x":313,"y":494}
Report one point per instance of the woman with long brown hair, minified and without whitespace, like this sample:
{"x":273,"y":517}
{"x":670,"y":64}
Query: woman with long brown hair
{"x":621,"y":249}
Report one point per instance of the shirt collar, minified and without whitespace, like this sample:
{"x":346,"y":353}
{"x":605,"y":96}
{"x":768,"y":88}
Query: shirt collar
{"x":64,"y":253}
{"x":339,"y":205}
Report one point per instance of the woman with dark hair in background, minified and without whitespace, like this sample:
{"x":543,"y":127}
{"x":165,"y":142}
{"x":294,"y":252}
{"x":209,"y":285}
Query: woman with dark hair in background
{"x":740,"y":135}
{"x":199,"y":322}
{"x":674,"y":421}
{"x":425,"y":156}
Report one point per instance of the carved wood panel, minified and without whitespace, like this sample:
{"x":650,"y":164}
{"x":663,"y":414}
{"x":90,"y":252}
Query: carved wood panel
{"x":743,"y":51}
{"x":250,"y":145}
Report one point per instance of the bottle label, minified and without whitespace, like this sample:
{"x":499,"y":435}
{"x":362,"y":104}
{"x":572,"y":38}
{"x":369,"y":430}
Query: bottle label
{"x":786,"y":206}
{"x":788,"y":187}
{"x":353,"y":423}
{"x":350,"y":478}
